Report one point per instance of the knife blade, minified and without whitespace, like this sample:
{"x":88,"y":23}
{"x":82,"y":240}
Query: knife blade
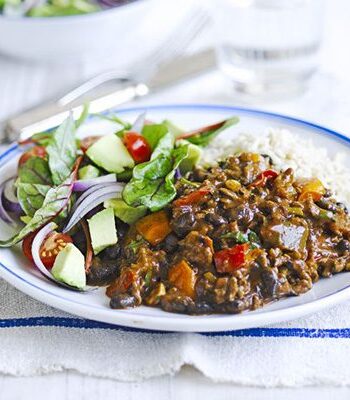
{"x":104,"y":92}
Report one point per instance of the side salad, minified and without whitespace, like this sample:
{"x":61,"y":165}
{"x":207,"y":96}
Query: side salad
{"x":67,"y":189}
{"x":55,"y":8}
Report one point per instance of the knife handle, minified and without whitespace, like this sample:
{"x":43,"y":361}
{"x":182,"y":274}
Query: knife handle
{"x":49,"y":115}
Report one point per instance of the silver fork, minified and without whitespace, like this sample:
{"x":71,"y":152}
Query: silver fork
{"x":123,"y":85}
{"x":175,"y":44}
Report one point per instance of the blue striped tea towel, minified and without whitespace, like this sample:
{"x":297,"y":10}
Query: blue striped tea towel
{"x":37,"y":339}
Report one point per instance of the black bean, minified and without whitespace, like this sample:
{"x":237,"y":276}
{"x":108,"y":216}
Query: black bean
{"x":170,"y":243}
{"x":102,"y":272}
{"x":122,"y":229}
{"x":343,"y":246}
{"x":215,"y":219}
{"x":178,"y":304}
{"x":79,"y":240}
{"x":245,"y":215}
{"x":200,"y":307}
{"x":183,"y":223}
{"x":123,"y":300}
{"x":270,"y":283}
{"x":268,"y":207}
{"x":234,"y":307}
{"x":198,"y":175}
{"x":111,"y":252}
{"x":242,"y":214}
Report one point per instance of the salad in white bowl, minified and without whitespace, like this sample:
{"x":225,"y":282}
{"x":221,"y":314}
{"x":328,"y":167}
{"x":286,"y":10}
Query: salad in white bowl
{"x":64,"y":30}
{"x":56,"y":8}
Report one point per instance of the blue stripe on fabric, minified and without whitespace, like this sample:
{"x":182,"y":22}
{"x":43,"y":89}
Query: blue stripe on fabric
{"x":78,"y":323}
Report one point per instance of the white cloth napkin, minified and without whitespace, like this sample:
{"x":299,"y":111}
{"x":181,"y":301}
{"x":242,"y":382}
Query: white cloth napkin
{"x":36,"y":339}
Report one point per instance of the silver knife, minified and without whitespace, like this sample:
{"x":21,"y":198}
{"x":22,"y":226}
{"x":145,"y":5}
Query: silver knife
{"x":120,"y":89}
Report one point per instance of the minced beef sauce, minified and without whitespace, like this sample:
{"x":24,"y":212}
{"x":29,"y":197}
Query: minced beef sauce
{"x":240,"y":234}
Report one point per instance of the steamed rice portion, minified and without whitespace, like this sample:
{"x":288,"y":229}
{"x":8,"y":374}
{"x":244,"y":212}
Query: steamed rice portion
{"x":289,"y":151}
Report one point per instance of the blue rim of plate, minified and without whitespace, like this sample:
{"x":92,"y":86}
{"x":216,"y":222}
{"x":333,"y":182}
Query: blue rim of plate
{"x":249,"y":332}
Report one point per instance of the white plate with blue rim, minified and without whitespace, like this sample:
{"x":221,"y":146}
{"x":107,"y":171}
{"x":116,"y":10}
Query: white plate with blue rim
{"x":15,"y":269}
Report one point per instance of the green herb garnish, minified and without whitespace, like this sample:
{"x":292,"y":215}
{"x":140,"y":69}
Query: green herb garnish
{"x":190,"y":183}
{"x":238,"y":237}
{"x":134,"y":245}
{"x":148,"y":278}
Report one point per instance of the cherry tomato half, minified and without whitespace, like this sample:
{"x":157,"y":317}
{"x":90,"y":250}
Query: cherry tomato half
{"x":27,"y":246}
{"x":36,"y":151}
{"x":137,"y":146}
{"x":88,"y":141}
{"x":52,"y":245}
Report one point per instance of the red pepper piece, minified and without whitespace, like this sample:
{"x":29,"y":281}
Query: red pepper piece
{"x":191,"y":198}
{"x":229,"y":260}
{"x":262,"y":178}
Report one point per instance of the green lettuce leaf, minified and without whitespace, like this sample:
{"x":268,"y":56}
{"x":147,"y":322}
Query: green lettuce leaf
{"x":31,"y":196}
{"x":62,"y":151}
{"x":160,"y":163}
{"x":33,"y":182}
{"x":152,"y":184}
{"x":193,"y":157}
{"x":154,"y":132}
{"x":166,"y":191}
{"x":35,"y":170}
{"x":56,"y":200}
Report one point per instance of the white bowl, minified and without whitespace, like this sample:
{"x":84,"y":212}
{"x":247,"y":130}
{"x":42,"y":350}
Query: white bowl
{"x":74,"y":37}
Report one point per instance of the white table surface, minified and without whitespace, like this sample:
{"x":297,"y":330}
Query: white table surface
{"x":327,"y":102}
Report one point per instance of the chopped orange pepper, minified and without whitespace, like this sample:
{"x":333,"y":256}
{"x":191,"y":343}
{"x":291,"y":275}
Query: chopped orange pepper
{"x":154,"y":227}
{"x":313,"y":188}
{"x":183,"y":277}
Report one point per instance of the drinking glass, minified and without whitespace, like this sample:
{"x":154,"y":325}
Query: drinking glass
{"x":268,"y":47}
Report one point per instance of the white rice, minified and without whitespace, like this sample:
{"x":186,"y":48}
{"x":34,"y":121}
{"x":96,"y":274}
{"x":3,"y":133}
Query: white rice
{"x":288,"y":150}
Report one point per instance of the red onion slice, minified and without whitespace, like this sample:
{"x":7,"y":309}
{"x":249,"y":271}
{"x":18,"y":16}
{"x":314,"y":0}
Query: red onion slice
{"x":9,"y":197}
{"x":91,"y":201}
{"x":37,"y":242}
{"x":4,"y":215}
{"x":84,"y":184}
{"x":93,"y":189}
{"x":177,"y":174}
